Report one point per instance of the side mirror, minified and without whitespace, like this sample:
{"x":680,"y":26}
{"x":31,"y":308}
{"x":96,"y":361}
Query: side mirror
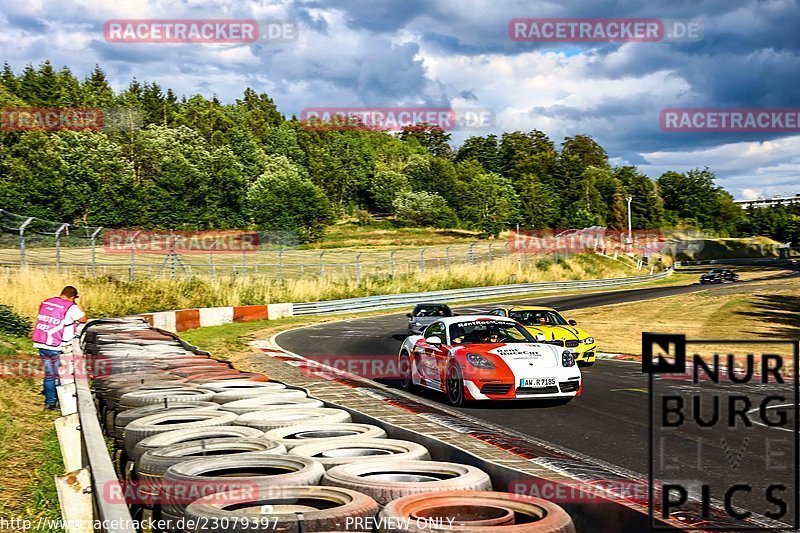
{"x":573,"y":323}
{"x":409,"y":315}
{"x":540,"y":337}
{"x":433,"y":340}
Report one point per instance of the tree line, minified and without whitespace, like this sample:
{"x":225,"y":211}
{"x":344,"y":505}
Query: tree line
{"x":196,"y":163}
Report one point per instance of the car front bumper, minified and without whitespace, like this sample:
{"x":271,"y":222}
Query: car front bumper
{"x":566,"y":387}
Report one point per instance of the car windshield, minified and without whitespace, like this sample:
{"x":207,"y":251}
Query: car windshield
{"x":488,"y":332}
{"x":432,"y":310}
{"x":716,"y":271}
{"x":538,"y":318}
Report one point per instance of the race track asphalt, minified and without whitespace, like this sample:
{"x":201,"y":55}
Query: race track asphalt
{"x":609,"y":422}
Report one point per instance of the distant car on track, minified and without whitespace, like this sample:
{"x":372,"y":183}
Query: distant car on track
{"x":487,"y":357}
{"x":556,"y":329}
{"x":719,"y":275}
{"x":425,"y":314}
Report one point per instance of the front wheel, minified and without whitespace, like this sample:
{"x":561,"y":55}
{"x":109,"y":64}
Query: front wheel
{"x":455,"y":385}
{"x":404,"y":370}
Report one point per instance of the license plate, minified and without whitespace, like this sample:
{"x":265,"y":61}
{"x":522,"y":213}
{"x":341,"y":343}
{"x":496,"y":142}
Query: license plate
{"x":536,"y":382}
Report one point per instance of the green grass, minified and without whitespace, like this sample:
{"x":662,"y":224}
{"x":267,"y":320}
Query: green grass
{"x":42,"y":493}
{"x":29,"y":450}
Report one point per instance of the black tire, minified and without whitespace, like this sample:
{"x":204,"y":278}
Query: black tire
{"x":313,"y":510}
{"x":477,"y":512}
{"x":151,"y":397}
{"x":360,"y":450}
{"x":241,"y":384}
{"x":278,"y":418}
{"x":388,"y":480}
{"x":268,"y":402}
{"x":405,"y":371}
{"x":234,"y":395}
{"x":126,"y":417}
{"x":172,"y":420}
{"x":154,"y":463}
{"x":454,"y":384}
{"x":220,"y":474}
{"x":292,"y":436}
{"x":171,"y":438}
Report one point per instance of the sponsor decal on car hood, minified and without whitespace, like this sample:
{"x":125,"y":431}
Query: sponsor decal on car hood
{"x":527,"y":355}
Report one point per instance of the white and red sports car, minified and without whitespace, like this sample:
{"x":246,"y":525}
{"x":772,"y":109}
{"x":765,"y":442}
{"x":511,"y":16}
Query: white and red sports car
{"x":487,"y":358}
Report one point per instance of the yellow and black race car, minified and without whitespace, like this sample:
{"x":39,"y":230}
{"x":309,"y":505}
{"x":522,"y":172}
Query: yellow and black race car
{"x":555,"y":329}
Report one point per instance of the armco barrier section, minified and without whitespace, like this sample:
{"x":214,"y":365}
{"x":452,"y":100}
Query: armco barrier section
{"x":86,"y":460}
{"x":183,"y":319}
{"x":374,"y":303}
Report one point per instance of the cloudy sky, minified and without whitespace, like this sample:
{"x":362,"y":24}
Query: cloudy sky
{"x":458,"y":53}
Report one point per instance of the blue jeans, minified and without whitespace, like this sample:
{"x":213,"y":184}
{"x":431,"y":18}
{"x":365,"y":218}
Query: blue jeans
{"x":51,"y":359}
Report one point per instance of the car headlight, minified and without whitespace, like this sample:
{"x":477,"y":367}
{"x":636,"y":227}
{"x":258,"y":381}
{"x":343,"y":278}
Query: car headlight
{"x":567,"y":359}
{"x":588,"y":340}
{"x":416,"y":323}
{"x":479,"y":361}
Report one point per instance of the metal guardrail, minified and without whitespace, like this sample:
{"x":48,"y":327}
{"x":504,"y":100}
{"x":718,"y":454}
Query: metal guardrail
{"x":735,"y":260}
{"x":374,"y":303}
{"x":111,"y":516}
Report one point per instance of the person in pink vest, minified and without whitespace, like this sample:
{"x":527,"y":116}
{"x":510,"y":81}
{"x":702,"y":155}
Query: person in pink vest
{"x":55,"y":326}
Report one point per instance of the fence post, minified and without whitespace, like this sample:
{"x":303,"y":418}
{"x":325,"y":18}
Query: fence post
{"x":132,"y":271}
{"x":358,"y":267}
{"x":58,"y":246}
{"x":490,"y":251}
{"x":211,"y":263}
{"x":94,"y":250}
{"x":244,"y":262}
{"x":280,"y":264}
{"x":505,"y":249}
{"x":22,"y":241}
{"x":422,"y":260}
{"x":321,"y":264}
{"x":391,"y":263}
{"x":472,"y":253}
{"x":447,"y":256}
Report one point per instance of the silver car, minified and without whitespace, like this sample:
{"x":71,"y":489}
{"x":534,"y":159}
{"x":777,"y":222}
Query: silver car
{"x":425,"y":314}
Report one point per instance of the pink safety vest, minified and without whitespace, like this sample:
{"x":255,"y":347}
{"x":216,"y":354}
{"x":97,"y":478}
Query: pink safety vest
{"x":49,"y":329}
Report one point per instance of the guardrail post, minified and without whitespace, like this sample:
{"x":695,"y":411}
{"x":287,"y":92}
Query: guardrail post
{"x":22,"y":260}
{"x":358,"y":267}
{"x":422,"y":260}
{"x":58,"y":246}
{"x":280,"y":264}
{"x":472,"y":253}
{"x":391,"y":263}
{"x":94,"y":250}
{"x":321,"y":264}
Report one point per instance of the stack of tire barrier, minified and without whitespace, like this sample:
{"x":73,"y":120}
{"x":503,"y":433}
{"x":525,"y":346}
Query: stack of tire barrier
{"x":202,"y":447}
